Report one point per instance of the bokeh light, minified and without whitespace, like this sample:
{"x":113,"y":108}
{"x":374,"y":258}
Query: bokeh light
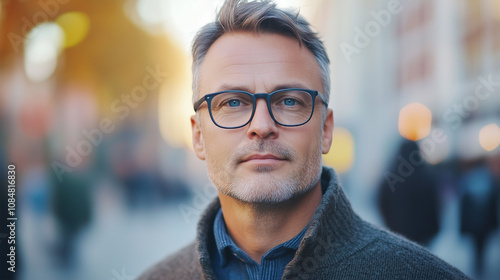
{"x":75,"y":26}
{"x":151,"y":11}
{"x":489,"y":137}
{"x":341,"y":154}
{"x":414,"y":121}
{"x":41,"y":50}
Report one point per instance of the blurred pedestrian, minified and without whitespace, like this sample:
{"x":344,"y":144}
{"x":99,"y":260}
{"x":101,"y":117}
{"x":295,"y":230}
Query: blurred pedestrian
{"x":410,"y":207}
{"x":72,"y":208}
{"x":478,"y":209}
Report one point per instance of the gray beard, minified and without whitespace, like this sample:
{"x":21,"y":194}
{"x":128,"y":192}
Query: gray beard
{"x":266,"y":189}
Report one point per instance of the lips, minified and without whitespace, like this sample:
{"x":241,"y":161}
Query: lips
{"x":261,"y":157}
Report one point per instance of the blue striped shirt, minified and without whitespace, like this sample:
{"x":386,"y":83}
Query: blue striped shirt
{"x":230,"y":262}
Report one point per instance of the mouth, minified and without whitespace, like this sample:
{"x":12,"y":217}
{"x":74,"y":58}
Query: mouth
{"x":262,"y":159}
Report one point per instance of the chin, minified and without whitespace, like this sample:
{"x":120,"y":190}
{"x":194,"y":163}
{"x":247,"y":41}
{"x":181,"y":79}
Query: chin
{"x":269,"y":192}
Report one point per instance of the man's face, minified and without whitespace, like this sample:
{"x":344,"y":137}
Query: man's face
{"x":261,"y":162}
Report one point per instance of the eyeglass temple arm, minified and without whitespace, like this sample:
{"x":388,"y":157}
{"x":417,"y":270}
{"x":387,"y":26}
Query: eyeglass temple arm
{"x":322,"y":98}
{"x":197,"y":104}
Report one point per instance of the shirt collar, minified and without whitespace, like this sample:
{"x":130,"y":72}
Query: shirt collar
{"x":222,"y":239}
{"x":226,"y":246}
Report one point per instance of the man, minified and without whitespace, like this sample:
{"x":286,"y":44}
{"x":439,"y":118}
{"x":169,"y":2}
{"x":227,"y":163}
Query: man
{"x":261,"y":92}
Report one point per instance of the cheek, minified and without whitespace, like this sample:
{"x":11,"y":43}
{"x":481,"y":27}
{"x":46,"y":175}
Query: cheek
{"x":307,"y":141}
{"x":219,"y":145}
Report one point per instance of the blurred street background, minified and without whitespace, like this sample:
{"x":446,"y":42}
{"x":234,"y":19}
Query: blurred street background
{"x":95,"y":99}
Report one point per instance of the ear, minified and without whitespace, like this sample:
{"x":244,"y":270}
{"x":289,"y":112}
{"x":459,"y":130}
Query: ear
{"x":198,"y":142}
{"x":327,"y":131}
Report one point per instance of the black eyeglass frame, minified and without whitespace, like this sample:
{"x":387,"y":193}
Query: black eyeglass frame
{"x":255,"y":96}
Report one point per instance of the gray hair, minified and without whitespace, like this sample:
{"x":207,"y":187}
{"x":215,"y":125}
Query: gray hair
{"x":258,"y":16}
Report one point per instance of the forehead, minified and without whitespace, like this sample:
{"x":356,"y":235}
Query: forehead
{"x":258,"y":62}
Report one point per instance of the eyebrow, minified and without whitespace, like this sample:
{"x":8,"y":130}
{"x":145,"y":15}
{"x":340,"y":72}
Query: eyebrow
{"x":225,"y":87}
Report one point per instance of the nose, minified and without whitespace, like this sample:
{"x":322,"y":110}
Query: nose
{"x":262,"y":124}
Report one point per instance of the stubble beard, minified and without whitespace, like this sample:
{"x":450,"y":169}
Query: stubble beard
{"x":265,"y":187}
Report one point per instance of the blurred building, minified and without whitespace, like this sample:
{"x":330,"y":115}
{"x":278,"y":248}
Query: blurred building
{"x":442,"y":56}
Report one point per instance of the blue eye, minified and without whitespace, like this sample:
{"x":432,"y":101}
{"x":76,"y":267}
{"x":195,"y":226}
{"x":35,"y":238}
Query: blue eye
{"x":289,"y":102}
{"x":234,"y":103}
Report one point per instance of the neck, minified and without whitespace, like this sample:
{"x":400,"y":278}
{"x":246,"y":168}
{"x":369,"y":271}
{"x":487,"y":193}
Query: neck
{"x":257,"y":228}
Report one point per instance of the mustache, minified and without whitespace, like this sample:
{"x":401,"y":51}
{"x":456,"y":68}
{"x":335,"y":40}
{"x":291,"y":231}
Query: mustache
{"x":263,"y":146}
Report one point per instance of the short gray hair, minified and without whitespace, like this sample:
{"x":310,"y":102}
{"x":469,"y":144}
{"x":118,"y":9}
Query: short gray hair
{"x":258,"y":16}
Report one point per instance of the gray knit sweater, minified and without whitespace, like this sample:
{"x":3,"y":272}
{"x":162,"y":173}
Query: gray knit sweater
{"x":337,"y":245}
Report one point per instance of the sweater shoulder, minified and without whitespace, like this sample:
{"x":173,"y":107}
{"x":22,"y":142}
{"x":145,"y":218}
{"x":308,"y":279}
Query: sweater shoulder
{"x":181,"y":265}
{"x":404,"y":258}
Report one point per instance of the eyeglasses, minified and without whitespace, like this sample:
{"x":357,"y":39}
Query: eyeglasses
{"x":235,"y":108}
